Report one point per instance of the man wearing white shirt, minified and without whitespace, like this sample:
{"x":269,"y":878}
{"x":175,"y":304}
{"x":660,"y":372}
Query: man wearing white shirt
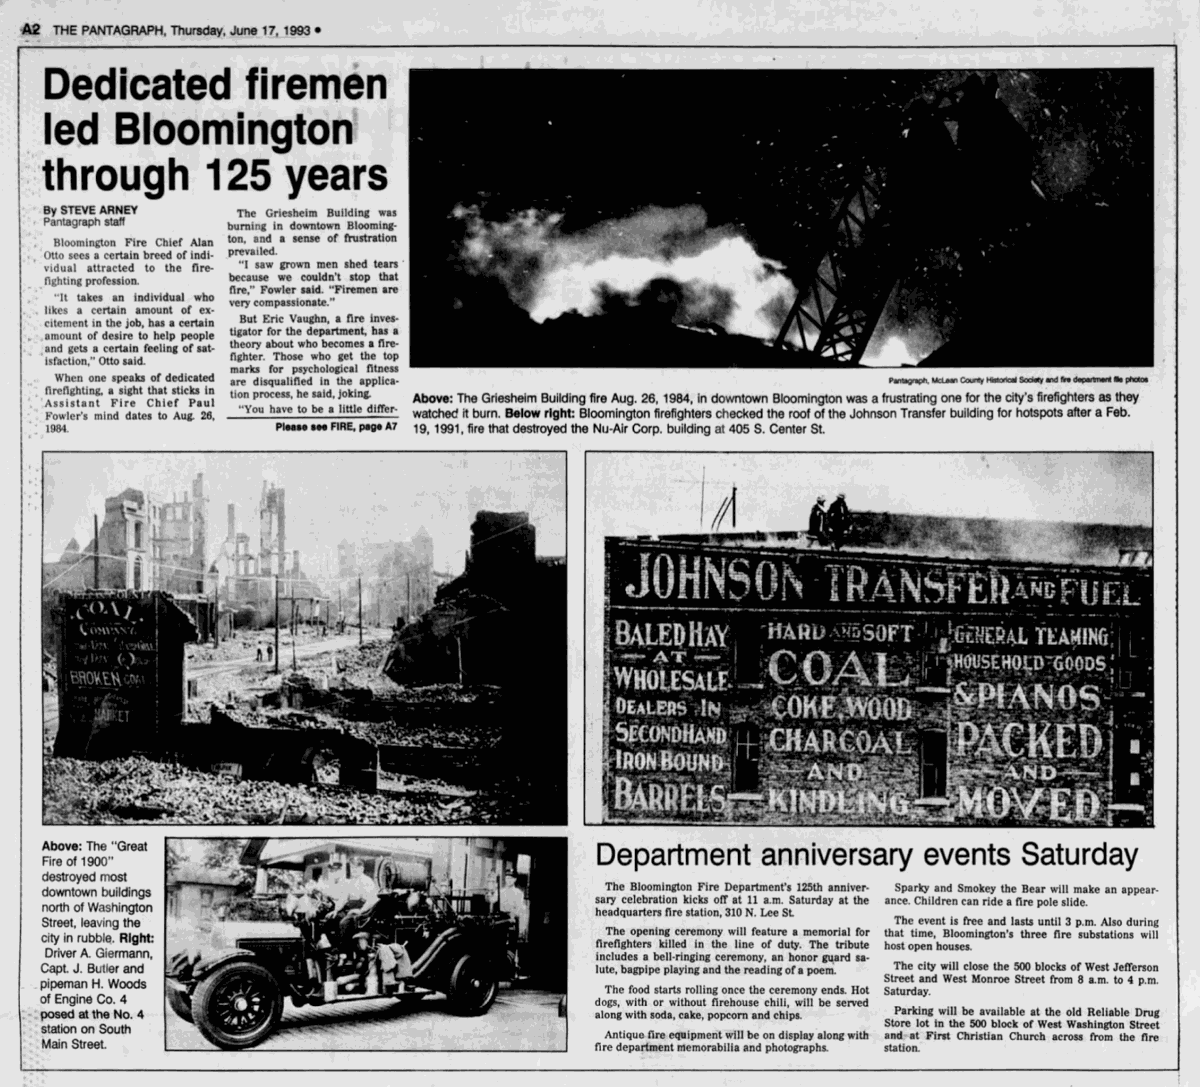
{"x":356,"y":895}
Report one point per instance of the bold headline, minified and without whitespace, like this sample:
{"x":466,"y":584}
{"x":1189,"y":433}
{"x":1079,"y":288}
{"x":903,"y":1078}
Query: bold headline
{"x":1032,"y":854}
{"x":146,"y":128}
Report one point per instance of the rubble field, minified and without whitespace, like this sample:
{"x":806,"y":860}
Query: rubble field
{"x":139,"y":790}
{"x":345,"y":690}
{"x":341,"y":692}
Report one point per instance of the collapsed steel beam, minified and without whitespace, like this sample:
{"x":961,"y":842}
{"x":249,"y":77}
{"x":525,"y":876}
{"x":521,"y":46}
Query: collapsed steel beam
{"x":836,"y":310}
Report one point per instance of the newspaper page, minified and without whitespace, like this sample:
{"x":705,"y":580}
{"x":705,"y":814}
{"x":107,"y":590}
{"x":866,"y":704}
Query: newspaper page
{"x":591,"y":539}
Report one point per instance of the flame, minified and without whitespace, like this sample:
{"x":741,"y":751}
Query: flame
{"x":894,"y":351}
{"x":718,"y":278}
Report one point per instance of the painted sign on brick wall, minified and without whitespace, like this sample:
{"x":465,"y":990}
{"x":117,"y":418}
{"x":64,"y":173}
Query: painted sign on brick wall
{"x":809,"y":687}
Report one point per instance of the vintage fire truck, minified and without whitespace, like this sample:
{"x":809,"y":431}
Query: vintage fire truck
{"x":415,"y":940}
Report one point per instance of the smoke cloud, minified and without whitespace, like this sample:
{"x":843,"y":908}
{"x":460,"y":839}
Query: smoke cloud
{"x":712,"y":277}
{"x":1002,"y":540}
{"x":668,"y":260}
{"x":976,"y":538}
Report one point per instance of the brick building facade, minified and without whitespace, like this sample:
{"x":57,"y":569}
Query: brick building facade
{"x":775,"y":685}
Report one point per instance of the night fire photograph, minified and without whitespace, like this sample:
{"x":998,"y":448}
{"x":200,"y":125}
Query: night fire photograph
{"x":757,"y":216}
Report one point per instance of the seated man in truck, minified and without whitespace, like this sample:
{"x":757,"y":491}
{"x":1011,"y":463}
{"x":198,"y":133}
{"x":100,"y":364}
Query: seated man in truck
{"x":353,"y":898}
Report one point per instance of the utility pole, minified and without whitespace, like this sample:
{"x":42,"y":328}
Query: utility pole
{"x":293,"y":629}
{"x":360,"y":614}
{"x":95,"y":551}
{"x":277,"y":624}
{"x":407,"y":597}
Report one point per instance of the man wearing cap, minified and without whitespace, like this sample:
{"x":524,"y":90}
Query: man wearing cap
{"x":838,"y":521}
{"x":817,"y":520}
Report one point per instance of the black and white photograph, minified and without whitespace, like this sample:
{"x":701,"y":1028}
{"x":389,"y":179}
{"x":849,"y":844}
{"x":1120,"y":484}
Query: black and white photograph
{"x":761,"y":213}
{"x":304,"y":638}
{"x":353,"y":944}
{"x":908,"y":639}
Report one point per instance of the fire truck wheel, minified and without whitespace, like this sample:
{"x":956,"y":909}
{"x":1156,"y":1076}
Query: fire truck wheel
{"x":321,"y":765}
{"x":473,"y":986}
{"x":238,"y":1005}
{"x":181,"y":1004}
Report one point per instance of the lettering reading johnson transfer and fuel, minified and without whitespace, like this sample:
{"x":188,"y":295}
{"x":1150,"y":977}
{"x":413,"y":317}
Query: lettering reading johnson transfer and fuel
{"x":664,"y":575}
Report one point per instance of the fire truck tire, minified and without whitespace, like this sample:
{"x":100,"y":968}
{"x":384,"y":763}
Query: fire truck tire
{"x":238,"y":1005}
{"x":181,"y":1004}
{"x":473,"y":986}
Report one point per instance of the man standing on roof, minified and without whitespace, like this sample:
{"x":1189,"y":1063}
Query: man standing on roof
{"x":838,"y":521}
{"x":817,"y":521}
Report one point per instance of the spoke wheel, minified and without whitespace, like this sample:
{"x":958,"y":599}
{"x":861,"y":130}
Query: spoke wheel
{"x":237,"y":1005}
{"x":473,"y":986}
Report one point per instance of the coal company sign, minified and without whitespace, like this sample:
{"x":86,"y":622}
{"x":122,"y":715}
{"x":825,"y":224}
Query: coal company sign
{"x":805,"y":687}
{"x":120,"y":672}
